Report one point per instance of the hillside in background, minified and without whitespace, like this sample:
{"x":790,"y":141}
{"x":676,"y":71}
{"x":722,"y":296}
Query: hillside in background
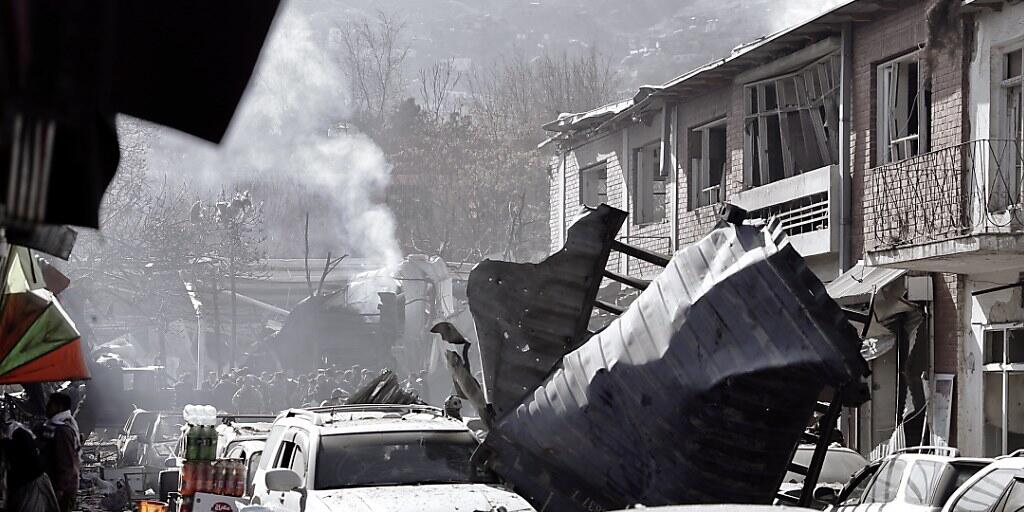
{"x":649,"y":41}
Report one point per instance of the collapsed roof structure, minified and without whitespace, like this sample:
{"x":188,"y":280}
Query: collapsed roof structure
{"x":698,"y":393}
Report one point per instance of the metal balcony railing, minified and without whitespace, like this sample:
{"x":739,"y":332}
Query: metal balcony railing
{"x":970,"y":188}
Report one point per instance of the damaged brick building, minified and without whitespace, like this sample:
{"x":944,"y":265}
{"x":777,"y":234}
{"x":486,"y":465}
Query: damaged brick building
{"x":885,"y":135}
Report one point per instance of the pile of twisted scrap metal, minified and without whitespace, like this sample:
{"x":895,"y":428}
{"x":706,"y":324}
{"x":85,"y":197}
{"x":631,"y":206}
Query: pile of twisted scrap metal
{"x":698,"y":392}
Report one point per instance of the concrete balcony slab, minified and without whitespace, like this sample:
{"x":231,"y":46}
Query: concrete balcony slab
{"x":969,"y":254}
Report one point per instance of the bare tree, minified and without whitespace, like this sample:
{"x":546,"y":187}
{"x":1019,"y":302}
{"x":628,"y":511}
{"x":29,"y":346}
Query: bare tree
{"x":515,"y":96}
{"x":436,"y":85}
{"x":374,"y":52}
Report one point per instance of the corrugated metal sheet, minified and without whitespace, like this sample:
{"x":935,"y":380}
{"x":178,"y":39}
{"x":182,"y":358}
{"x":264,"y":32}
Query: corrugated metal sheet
{"x":530,"y":315}
{"x":860,"y":282}
{"x":698,"y":393}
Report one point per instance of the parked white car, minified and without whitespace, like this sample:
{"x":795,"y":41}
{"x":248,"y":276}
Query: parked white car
{"x":839,"y":466}
{"x":995,"y":488}
{"x":919,"y":479}
{"x":375,"y":458}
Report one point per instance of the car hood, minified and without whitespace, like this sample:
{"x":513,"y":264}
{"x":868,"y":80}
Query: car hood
{"x":425,"y":498}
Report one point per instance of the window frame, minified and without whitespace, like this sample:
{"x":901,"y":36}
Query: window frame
{"x":1004,"y":368}
{"x":883,"y":119}
{"x":702,"y":193}
{"x":645,"y":176}
{"x":586,"y":187}
{"x":814,"y":107}
{"x":1003,"y":119}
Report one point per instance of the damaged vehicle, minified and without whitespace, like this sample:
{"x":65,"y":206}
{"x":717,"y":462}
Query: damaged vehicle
{"x":145,"y":443}
{"x":376,"y":458}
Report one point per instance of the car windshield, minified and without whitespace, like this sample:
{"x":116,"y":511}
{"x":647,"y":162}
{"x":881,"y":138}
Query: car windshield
{"x":397,"y":458}
{"x":168,"y":429}
{"x":141,"y":424}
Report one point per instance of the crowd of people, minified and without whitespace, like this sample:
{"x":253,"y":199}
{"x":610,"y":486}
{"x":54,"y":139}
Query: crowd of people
{"x":240,"y":390}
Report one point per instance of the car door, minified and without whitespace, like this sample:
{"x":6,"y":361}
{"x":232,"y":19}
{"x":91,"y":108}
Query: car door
{"x":884,"y":488}
{"x":251,"y":465}
{"x":852,"y":494}
{"x":298,"y":463}
{"x":983,"y":494}
{"x":273,"y":448}
{"x":292,"y":454}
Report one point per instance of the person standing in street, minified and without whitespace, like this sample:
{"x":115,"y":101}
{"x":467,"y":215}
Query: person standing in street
{"x":28,"y":486}
{"x":61,"y":450}
{"x":248,"y":398}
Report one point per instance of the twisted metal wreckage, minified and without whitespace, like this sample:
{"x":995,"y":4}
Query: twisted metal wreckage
{"x":699,"y":392}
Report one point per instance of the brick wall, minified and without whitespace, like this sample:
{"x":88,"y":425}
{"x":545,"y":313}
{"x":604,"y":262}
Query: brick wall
{"x":555,"y":200}
{"x":901,"y":32}
{"x":695,"y":223}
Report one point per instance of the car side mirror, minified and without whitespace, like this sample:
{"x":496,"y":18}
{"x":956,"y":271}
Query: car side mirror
{"x":283,"y":480}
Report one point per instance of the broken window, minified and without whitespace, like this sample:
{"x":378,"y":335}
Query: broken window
{"x":792,"y":123}
{"x":594,"y":185}
{"x":650,"y":189}
{"x":1003,"y":354}
{"x":1006,"y":178}
{"x":903,"y":106}
{"x":706,"y":151}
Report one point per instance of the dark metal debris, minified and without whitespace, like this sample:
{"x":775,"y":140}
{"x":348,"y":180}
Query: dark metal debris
{"x":698,"y":393}
{"x":530,"y":315}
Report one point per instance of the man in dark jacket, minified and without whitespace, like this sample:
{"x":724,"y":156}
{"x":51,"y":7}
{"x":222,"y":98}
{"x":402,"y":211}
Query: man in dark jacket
{"x":61,"y":447}
{"x":28,"y":487}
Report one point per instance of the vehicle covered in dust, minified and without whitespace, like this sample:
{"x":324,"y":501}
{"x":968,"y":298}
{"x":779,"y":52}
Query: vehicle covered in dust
{"x":376,"y":458}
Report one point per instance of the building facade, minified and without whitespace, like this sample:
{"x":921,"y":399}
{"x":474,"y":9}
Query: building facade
{"x":885,"y":136}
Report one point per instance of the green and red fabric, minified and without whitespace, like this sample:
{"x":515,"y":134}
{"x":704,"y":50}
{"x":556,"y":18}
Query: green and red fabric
{"x":38,"y":341}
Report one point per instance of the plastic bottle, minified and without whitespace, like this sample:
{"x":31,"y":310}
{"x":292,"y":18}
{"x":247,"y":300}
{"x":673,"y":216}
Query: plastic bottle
{"x":211,"y":443}
{"x":219,"y":475}
{"x":188,"y":479}
{"x":239,"y":478}
{"x":192,"y":443}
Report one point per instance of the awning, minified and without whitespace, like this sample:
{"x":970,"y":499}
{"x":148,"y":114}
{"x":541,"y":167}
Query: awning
{"x":857,"y":285}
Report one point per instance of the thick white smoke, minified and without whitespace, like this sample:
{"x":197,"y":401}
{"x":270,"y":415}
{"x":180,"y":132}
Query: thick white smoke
{"x":287,"y":142}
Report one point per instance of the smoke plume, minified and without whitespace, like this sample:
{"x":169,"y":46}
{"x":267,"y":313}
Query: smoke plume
{"x":288,"y":144}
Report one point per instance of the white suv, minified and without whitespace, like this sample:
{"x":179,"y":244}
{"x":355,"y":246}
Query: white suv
{"x":375,"y":458}
{"x":994,"y":488}
{"x":919,"y":478}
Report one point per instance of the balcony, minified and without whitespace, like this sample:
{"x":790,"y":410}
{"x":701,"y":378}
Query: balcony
{"x":803,"y":204}
{"x":957,"y":210}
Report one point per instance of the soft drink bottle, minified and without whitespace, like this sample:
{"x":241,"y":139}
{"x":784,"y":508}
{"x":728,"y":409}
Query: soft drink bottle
{"x":192,"y":443}
{"x":238,"y":478}
{"x":211,"y":443}
{"x":187,"y":486}
{"x":218,"y":478}
{"x":204,"y":474}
